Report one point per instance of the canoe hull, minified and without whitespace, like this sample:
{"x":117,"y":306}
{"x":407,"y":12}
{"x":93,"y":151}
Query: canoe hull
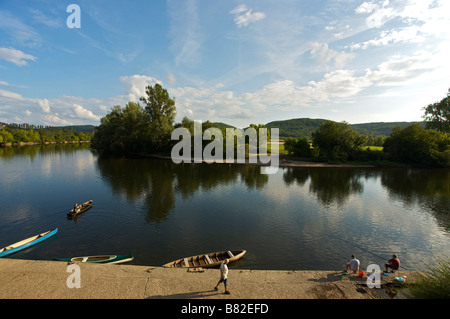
{"x":206,"y":260}
{"x":11,"y":249}
{"x":84,"y":208}
{"x":102,"y":259}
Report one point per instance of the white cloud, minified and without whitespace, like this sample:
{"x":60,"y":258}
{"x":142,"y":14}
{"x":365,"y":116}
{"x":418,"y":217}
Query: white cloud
{"x":45,"y":106}
{"x":323,"y":54}
{"x":135,"y":85}
{"x":210,"y":103}
{"x":40,"y":17}
{"x":53,"y":119}
{"x":171,"y":78}
{"x":15,"y":56}
{"x":366,"y":7}
{"x":186,"y":32}
{"x":83,"y":113}
{"x":336,"y":87}
{"x":244,"y":16}
{"x":412,"y":34}
{"x":286,"y":95}
{"x":399,"y":70}
{"x":380,"y":13}
{"x":19,"y":32}
{"x":11,"y":95}
{"x":12,"y":85}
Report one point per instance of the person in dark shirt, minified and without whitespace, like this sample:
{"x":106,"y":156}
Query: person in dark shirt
{"x":393,"y":263}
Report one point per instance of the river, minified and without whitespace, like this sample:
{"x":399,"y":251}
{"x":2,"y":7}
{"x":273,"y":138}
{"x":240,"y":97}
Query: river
{"x":297,"y":219}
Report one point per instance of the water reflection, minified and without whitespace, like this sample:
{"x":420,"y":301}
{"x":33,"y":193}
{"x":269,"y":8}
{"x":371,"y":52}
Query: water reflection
{"x":332,"y":187}
{"x":304,"y":212}
{"x":158,"y":181}
{"x":429,"y":189}
{"x":32,"y":151}
{"x":297,"y":218}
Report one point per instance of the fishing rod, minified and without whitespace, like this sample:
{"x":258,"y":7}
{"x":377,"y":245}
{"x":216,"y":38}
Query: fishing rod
{"x":362,"y":248}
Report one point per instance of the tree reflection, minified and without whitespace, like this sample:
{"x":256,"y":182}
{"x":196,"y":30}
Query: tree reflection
{"x":156,"y":182}
{"x":331,"y":186}
{"x":429,"y":188}
{"x":31,"y":151}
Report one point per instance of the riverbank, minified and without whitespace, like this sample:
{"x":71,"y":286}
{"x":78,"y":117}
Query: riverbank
{"x":282,"y":163}
{"x":31,"y":279}
{"x":40,"y":143}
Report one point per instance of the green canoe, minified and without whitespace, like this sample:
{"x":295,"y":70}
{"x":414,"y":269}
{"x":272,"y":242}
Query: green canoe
{"x":103,"y":259}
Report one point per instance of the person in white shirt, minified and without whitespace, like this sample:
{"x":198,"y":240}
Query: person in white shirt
{"x":223,"y":276}
{"x":353,"y":264}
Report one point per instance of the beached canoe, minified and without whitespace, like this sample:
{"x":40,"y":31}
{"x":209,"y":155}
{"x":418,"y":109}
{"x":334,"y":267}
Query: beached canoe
{"x":8,"y":250}
{"x":103,"y":259}
{"x":206,"y":260}
{"x":80,"y":209}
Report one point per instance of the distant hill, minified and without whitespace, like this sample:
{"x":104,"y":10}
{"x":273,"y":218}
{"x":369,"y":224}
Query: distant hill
{"x":380,"y":128}
{"x":221,"y":125}
{"x":296,"y":127}
{"x":303,"y":127}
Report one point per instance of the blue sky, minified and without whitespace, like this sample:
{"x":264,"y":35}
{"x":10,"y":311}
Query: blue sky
{"x":238,"y":62}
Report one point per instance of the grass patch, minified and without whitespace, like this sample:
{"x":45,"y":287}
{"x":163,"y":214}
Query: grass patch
{"x":374,"y":148}
{"x":433,"y":282}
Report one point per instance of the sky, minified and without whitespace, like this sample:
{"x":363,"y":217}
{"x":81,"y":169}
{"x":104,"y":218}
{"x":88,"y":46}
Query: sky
{"x":237,"y":62}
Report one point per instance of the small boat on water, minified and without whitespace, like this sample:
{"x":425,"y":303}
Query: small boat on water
{"x":103,"y":259}
{"x":206,"y":260}
{"x":80,"y":209}
{"x":8,"y":250}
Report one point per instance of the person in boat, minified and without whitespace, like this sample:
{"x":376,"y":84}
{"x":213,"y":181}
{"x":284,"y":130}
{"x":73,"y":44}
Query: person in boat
{"x":223,"y":275}
{"x":76,"y":208}
{"x":353,"y":264}
{"x":393,"y":263}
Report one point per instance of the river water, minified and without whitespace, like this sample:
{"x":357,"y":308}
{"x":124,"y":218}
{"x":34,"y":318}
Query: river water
{"x":296,"y":219}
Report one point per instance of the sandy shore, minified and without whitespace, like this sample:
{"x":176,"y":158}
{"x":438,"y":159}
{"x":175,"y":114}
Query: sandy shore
{"x":29,"y":279}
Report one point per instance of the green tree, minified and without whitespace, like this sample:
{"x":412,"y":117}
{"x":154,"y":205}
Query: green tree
{"x":135,"y":128}
{"x":298,"y":147}
{"x":186,"y":123}
{"x":123,"y":130}
{"x":336,"y":141}
{"x":5,"y":136}
{"x":161,"y":111}
{"x":437,"y":115}
{"x":417,"y":145}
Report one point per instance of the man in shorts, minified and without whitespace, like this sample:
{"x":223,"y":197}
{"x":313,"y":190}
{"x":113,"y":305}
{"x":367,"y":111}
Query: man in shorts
{"x":393,"y":263}
{"x":223,"y":275}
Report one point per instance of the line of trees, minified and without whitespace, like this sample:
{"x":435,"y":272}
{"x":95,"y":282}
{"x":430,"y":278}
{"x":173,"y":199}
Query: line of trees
{"x":416,"y":145}
{"x":147,"y":128}
{"x":26,"y":133}
{"x":337,"y":142}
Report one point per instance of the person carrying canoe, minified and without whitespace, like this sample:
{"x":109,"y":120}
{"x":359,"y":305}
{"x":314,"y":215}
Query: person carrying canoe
{"x":223,"y":276}
{"x":393,"y":263}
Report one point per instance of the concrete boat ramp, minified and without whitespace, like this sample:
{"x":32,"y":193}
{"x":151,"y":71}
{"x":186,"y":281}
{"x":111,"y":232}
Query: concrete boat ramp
{"x":32,"y":279}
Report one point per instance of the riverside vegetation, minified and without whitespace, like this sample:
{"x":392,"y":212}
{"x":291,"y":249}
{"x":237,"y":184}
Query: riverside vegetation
{"x":26,"y":133}
{"x":147,"y":129}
